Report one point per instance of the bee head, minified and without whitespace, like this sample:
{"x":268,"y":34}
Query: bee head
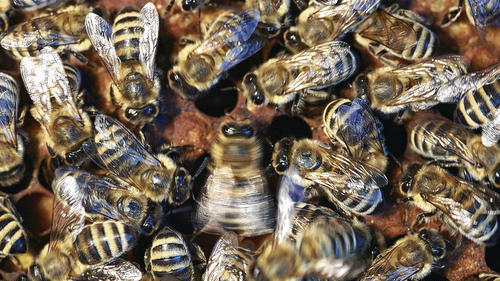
{"x":435,"y":242}
{"x":233,"y":129}
{"x":406,"y":181}
{"x":361,"y":86}
{"x":146,"y":113}
{"x":251,"y":89}
{"x":53,"y":265}
{"x":153,"y":218}
{"x":293,"y":41}
{"x":157,"y":181}
{"x":281,"y":160}
{"x":180,"y":86}
{"x":189,"y":5}
{"x":181,"y":189}
{"x":268,"y":30}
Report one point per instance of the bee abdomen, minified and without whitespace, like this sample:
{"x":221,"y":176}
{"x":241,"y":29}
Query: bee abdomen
{"x":330,"y":116}
{"x":127,"y":32}
{"x":74,"y":77}
{"x":103,"y":241}
{"x":426,"y":40}
{"x":9,"y":90}
{"x":423,"y":143}
{"x":475,"y":108}
{"x":12,"y":236}
{"x":169,"y":256}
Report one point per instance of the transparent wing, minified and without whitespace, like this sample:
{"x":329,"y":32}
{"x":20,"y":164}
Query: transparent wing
{"x":232,"y":33}
{"x":491,"y":131}
{"x":45,"y":79}
{"x":117,"y":270}
{"x":485,"y":12}
{"x":9,"y":100}
{"x":241,"y":52}
{"x":116,"y":149}
{"x":320,"y":66}
{"x":149,"y":39}
{"x":101,"y":35}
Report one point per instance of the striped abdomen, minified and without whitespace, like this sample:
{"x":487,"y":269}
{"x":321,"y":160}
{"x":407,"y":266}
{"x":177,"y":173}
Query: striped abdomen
{"x":13,"y":239}
{"x":9,"y":92}
{"x":104,"y":241}
{"x":426,"y":42}
{"x":169,"y":256}
{"x":430,"y":138}
{"x":489,"y":277}
{"x":227,"y":263}
{"x":476,"y":107}
{"x":74,"y":77}
{"x":330,"y":117}
{"x":127,"y":31}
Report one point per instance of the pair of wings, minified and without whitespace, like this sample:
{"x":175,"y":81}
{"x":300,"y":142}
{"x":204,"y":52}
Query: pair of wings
{"x":9,"y":101}
{"x":436,"y":72}
{"x":350,"y":13}
{"x":102,"y":36}
{"x":320,"y":66}
{"x":46,"y":82}
{"x":117,"y":270}
{"x":118,"y":150}
{"x":238,"y":34}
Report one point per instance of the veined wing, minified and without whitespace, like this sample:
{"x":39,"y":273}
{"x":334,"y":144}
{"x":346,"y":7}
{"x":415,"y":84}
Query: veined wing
{"x":9,"y":100}
{"x":149,"y":39}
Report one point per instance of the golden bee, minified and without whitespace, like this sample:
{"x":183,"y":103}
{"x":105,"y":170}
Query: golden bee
{"x":273,"y":15}
{"x":74,"y":247}
{"x":280,"y":80}
{"x":411,"y":258}
{"x":63,"y":30}
{"x":469,"y":208}
{"x":445,"y":141}
{"x":53,"y":88}
{"x":481,"y":108}
{"x":12,"y":147}
{"x":13,"y":238}
{"x":350,"y":184}
{"x":169,"y":256}
{"x":235,"y":197}
{"x":357,"y":130}
{"x":117,"y":150}
{"x":109,"y":198}
{"x":128,"y":51}
{"x":398,"y":33}
{"x":480,"y":13}
{"x":327,"y":22}
{"x":228,"y":261}
{"x":228,"y":41}
{"x":417,"y":86}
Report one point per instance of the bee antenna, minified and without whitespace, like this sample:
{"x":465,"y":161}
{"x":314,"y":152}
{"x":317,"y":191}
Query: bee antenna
{"x":396,"y":161}
{"x":169,"y":7}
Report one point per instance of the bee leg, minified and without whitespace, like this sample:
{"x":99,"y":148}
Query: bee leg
{"x":51,"y":151}
{"x":298,"y":104}
{"x":170,"y":5}
{"x":186,"y":40}
{"x":452,"y":14}
{"x":420,"y":218}
{"x":22,"y":114}
{"x":378,"y":51}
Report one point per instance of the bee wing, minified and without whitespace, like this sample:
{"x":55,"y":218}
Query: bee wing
{"x":491,"y":130}
{"x":349,"y":14}
{"x":232,"y":33}
{"x":440,"y":75}
{"x":101,"y":35}
{"x":9,"y":100}
{"x":117,"y":270}
{"x":352,"y":182}
{"x":45,"y":79}
{"x":391,"y":32}
{"x":116,"y":149}
{"x":449,"y":142}
{"x":319,"y":66}
{"x":241,"y":52}
{"x":484,"y":11}
{"x":149,"y":39}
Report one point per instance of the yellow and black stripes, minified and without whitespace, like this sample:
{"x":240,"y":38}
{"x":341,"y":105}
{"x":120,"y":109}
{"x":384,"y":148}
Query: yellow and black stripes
{"x":476,"y":107}
{"x":13,"y":239}
{"x":128,"y":30}
{"x":73,"y":76}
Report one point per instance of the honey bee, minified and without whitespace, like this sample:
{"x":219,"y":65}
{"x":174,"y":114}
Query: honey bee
{"x":63,"y":30}
{"x":281,"y":79}
{"x":327,"y":22}
{"x":128,"y":51}
{"x":228,"y":261}
{"x":53,"y":88}
{"x":481,"y":108}
{"x":13,"y":238}
{"x":228,"y":41}
{"x":469,"y":208}
{"x":273,"y":15}
{"x":398,"y":33}
{"x":484,"y":277}
{"x":12,"y":168}
{"x":480,"y":13}
{"x":359,"y":132}
{"x":446,"y":141}
{"x":169,"y":257}
{"x":235,"y":197}
{"x":411,"y":258}
{"x":117,"y":150}
{"x":117,"y":270}
{"x":350,"y":184}
{"x":113,"y":199}
{"x":73,"y":247}
{"x":417,"y":86}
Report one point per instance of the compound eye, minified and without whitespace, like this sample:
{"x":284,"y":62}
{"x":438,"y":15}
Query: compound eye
{"x":497,"y":178}
{"x":131,"y":113}
{"x":229,"y":131}
{"x":150,"y":110}
{"x":257,"y":98}
{"x":283,"y":164}
{"x":247,"y":131}
{"x":188,"y":5}
{"x":406,"y":186}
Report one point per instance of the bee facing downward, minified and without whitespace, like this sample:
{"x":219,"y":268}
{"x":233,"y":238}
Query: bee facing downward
{"x":128,"y":51}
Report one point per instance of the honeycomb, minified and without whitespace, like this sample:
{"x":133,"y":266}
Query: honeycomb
{"x":185,"y":122}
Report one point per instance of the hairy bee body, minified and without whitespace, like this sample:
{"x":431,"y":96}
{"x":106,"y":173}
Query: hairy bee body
{"x":481,"y":108}
{"x":396,"y":32}
{"x":64,"y":31}
{"x":466,"y":207}
{"x":411,"y":258}
{"x":273,"y":15}
{"x":484,"y":277}
{"x":13,"y":238}
{"x":169,"y":257}
{"x":12,"y":167}
{"x":444,"y":140}
{"x":235,"y":197}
